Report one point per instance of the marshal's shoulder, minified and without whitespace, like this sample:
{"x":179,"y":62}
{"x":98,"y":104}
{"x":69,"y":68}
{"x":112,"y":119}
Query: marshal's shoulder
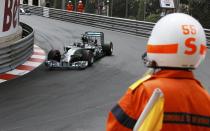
{"x":140,"y":81}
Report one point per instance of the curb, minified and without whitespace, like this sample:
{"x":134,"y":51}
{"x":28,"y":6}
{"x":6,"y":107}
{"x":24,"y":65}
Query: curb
{"x":37,"y":58}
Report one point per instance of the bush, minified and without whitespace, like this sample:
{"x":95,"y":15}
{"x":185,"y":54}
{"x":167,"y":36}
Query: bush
{"x":153,"y":18}
{"x":132,"y":17}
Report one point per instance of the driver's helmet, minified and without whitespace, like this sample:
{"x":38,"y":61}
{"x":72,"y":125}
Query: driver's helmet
{"x":22,"y":10}
{"x":78,"y":44}
{"x":84,"y":38}
{"x":177,"y":41}
{"x":69,"y":1}
{"x":80,"y":2}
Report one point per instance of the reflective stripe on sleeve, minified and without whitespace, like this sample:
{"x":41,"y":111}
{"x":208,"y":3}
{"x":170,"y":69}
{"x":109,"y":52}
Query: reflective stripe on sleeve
{"x":186,"y":118}
{"x":123,"y":118}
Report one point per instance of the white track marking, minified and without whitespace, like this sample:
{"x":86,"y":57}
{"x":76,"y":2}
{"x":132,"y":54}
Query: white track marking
{"x":38,"y":56}
{"x":18,"y":72}
{"x":33,"y":64}
{"x":1,"y":80}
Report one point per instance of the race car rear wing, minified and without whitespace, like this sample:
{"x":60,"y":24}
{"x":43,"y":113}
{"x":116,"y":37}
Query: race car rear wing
{"x":96,"y":34}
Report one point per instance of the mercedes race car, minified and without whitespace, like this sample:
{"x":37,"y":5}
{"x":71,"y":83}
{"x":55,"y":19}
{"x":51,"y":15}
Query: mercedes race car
{"x":82,"y":54}
{"x":25,"y":11}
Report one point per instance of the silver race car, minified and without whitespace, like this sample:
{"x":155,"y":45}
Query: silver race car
{"x":82,"y":54}
{"x":25,"y":11}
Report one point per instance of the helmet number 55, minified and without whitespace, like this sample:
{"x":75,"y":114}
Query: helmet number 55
{"x":188,"y":29}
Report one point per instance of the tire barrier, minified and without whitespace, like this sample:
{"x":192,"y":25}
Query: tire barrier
{"x":133,"y":27}
{"x":17,"y":53}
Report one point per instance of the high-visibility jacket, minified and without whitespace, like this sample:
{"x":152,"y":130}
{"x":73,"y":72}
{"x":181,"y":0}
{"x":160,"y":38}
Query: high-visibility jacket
{"x":70,"y":7}
{"x":80,"y":7}
{"x":186,"y":107}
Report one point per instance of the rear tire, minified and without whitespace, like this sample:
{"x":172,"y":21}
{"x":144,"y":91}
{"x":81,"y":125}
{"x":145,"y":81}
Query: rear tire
{"x":108,"y":48}
{"x":54,"y":55}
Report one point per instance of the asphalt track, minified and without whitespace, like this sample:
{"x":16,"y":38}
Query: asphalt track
{"x":70,"y":100}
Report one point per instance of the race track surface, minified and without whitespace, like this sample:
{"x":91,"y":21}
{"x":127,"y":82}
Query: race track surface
{"x":71,"y":100}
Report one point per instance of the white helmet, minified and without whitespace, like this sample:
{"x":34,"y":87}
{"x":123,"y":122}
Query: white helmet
{"x":80,"y":1}
{"x":177,"y":41}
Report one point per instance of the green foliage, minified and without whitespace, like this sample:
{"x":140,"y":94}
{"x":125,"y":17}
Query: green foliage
{"x":118,"y":8}
{"x":57,"y":4}
{"x":90,"y":7}
{"x":133,"y":6}
{"x":140,"y":15}
{"x":201,"y":11}
{"x":152,"y":7}
{"x":153,"y":18}
{"x":150,"y":10}
{"x":132,"y":17}
{"x":184,"y":2}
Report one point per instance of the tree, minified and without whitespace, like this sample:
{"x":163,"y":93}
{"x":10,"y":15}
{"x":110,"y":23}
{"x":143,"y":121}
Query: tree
{"x":133,"y":6}
{"x":141,"y":10}
{"x":152,"y":7}
{"x":118,"y":9}
{"x":57,"y":4}
{"x":153,"y":10}
{"x":200,"y":9}
{"x":90,"y":6}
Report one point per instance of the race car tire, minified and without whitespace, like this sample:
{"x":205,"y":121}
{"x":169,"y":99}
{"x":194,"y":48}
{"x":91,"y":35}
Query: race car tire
{"x":88,"y":56}
{"x":54,"y":55}
{"x":108,"y":48}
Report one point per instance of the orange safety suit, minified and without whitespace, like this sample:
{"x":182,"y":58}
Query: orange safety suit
{"x":70,"y":7}
{"x":80,"y":7}
{"x":186,"y":107}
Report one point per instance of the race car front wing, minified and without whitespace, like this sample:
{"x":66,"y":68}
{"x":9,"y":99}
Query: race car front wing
{"x":75,"y":65}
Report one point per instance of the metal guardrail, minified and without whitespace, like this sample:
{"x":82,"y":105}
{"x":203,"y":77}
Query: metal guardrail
{"x":207,"y":31}
{"x":35,"y":9}
{"x":133,"y":27}
{"x":17,"y":53}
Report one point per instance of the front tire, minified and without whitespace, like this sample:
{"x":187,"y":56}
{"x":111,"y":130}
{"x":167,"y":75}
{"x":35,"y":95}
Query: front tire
{"x":54,"y":55}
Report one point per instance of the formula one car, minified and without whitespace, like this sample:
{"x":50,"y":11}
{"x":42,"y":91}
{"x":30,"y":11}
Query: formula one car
{"x":25,"y":11}
{"x":82,"y":54}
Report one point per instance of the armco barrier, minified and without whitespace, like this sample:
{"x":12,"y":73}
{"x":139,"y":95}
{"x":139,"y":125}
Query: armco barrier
{"x":138,"y":28}
{"x":17,"y":53}
{"x":208,"y":36}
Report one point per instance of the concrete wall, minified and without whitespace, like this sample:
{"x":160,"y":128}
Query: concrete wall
{"x":9,"y":17}
{"x":10,"y":30}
